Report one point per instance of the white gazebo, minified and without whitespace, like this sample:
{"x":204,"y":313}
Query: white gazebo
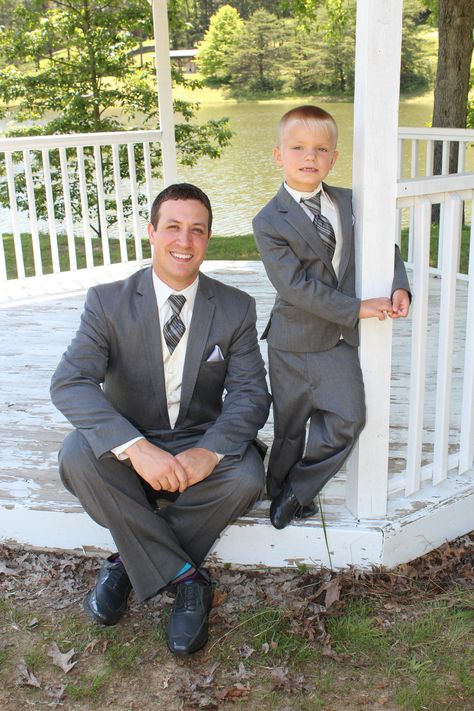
{"x":409,"y":486}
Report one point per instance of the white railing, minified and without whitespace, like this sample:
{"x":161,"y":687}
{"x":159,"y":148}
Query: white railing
{"x":79,"y":183}
{"x":441,"y":305}
{"x":417,"y":150}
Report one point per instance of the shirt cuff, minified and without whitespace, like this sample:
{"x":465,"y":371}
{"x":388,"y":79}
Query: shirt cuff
{"x":120,"y":450}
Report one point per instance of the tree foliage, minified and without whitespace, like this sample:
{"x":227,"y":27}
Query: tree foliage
{"x":218,"y":44}
{"x":311,"y":52}
{"x":70,"y":69}
{"x":256,"y":59}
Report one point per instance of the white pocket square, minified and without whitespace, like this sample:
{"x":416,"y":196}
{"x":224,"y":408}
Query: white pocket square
{"x":215,"y":355}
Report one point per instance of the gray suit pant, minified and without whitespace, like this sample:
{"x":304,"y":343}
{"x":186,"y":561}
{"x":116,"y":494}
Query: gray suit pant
{"x":325,"y":389}
{"x":154,"y":544}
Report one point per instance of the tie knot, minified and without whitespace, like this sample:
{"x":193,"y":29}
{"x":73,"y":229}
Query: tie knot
{"x":313,"y":203}
{"x":177,"y":302}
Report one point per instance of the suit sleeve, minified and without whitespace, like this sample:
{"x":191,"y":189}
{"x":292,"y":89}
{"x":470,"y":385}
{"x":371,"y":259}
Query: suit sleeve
{"x":76,"y":386}
{"x":400,"y":279}
{"x":247,"y":401}
{"x":295,"y":286}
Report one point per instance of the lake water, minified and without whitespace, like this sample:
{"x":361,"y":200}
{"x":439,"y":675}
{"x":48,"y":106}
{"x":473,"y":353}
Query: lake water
{"x":245,"y":177}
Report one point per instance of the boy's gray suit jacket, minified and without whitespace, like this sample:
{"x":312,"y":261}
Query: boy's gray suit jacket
{"x":313,"y":308}
{"x":110,"y":382}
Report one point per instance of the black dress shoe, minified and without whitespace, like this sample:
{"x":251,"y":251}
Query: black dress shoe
{"x":187,"y":626}
{"x":107,"y":602}
{"x":285,"y":507}
{"x":307,"y":511}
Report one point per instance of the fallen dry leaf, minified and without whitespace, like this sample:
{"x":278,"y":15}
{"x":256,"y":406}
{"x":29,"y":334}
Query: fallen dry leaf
{"x":279,"y":677}
{"x":24,"y":677}
{"x":333,"y":591}
{"x":237,"y":691}
{"x":7,"y":571}
{"x":63,"y":661}
{"x":245,"y":651}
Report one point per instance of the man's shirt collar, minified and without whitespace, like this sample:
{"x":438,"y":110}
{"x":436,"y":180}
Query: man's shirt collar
{"x":163,"y":291}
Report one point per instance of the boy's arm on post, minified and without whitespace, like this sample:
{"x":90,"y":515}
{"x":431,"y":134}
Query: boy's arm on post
{"x":293,"y":284}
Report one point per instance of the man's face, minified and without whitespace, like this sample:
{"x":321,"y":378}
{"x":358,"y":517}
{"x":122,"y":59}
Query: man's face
{"x":306,"y":155}
{"x":179,"y":241}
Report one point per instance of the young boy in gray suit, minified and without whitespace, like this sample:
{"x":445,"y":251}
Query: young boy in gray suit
{"x":306,"y":239}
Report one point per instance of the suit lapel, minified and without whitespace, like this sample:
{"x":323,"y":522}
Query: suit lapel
{"x":345,"y":215}
{"x":299,"y":220}
{"x":149,"y":321}
{"x":203,"y":314}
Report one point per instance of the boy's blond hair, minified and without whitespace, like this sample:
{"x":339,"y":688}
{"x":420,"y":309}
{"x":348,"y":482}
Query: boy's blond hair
{"x":310,"y":116}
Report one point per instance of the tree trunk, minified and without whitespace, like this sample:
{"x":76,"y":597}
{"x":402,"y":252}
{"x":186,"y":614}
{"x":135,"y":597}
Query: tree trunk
{"x":455,"y":26}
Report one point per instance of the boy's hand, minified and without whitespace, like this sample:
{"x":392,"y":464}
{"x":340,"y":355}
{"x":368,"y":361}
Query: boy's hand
{"x":380,"y":308}
{"x":400,"y":303}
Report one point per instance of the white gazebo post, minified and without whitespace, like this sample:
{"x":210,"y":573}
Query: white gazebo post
{"x":375,"y":157}
{"x":165,"y":98}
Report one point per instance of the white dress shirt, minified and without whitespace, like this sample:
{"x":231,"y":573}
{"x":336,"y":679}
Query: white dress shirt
{"x":329,"y":210}
{"x":173,"y":363}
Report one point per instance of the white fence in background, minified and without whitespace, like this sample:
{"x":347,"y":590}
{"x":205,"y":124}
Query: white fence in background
{"x":61,"y":175}
{"x":452,"y":445}
{"x":417,"y":149}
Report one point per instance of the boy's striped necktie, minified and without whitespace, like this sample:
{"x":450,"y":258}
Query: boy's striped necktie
{"x":322,"y":224}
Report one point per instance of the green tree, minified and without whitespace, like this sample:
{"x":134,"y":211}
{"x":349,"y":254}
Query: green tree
{"x":217,"y":46}
{"x":258,"y":61}
{"x":323,"y":52}
{"x":70,"y":70}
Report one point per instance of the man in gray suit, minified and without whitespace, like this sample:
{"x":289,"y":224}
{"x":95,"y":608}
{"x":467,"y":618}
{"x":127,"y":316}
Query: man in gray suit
{"x":306,"y":238}
{"x":165,"y":387}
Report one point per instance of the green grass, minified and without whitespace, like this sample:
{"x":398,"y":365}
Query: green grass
{"x":269,"y":630}
{"x":242,"y":247}
{"x":464,"y":251}
{"x":421,"y":656}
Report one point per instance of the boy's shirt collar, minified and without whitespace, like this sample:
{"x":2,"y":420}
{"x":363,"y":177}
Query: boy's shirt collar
{"x":298,"y":195}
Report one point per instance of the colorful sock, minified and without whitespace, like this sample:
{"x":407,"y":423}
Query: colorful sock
{"x":187,"y":574}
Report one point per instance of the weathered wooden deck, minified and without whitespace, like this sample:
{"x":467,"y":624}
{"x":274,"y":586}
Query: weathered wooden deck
{"x":35,"y":328}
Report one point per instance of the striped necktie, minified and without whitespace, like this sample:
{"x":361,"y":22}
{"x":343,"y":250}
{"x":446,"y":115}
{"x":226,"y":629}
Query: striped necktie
{"x":322,"y":224}
{"x":174,"y":328}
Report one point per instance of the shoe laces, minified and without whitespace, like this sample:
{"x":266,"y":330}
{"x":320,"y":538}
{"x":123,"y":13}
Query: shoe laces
{"x":187,"y":597}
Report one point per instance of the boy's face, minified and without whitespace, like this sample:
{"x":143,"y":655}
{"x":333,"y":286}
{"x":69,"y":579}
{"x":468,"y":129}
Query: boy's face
{"x":306,"y":155}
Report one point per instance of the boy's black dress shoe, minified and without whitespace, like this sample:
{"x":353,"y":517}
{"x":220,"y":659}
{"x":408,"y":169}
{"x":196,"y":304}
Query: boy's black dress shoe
{"x":285,"y":507}
{"x":107,"y":602}
{"x":187,"y":626}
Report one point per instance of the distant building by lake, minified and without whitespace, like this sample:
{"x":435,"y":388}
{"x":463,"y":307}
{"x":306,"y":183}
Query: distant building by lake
{"x":184,"y":59}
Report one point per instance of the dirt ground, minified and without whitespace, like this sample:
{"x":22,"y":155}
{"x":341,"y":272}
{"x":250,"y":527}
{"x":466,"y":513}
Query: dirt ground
{"x":278,"y":639}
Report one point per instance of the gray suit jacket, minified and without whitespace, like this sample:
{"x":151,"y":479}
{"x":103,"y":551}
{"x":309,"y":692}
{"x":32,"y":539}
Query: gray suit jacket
{"x":313,"y":308}
{"x":110,"y":382}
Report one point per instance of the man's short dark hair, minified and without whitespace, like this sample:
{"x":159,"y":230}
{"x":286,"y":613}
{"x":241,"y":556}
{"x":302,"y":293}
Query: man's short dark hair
{"x":179,"y":191}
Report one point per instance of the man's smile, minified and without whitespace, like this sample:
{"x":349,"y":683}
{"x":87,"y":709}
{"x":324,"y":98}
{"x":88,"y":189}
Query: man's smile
{"x":181,"y":256}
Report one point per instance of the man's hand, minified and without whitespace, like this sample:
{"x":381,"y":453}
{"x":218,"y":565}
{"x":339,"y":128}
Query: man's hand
{"x":400,"y":303}
{"x":161,"y":470}
{"x":198,"y":463}
{"x":380,"y":308}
